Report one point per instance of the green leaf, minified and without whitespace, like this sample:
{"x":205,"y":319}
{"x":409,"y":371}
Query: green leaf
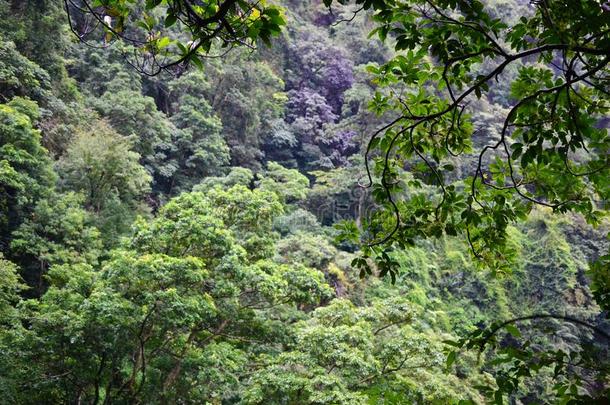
{"x":451,"y":357}
{"x":513,"y":331}
{"x":170,"y":20}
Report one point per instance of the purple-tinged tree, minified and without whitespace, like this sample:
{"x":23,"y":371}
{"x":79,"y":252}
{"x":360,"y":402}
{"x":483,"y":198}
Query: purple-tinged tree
{"x":307,"y":114}
{"x":320,"y":66}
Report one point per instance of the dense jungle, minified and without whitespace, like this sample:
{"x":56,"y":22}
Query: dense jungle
{"x":304,"y":202}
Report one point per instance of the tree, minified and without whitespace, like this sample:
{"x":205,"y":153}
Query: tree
{"x":26,"y":173}
{"x":236,"y":176}
{"x":551,"y":150}
{"x":445,"y":42}
{"x":133,"y":115}
{"x":102,"y":166}
{"x":199,"y":149}
{"x":308,"y":115}
{"x":320,"y":66}
{"x":308,"y":249}
{"x":10,"y":287}
{"x":37,"y":30}
{"x":249,"y":214}
{"x":248,"y":96}
{"x":237,"y":88}
{"x":346,"y":354}
{"x":228,"y":23}
{"x":175,"y":315}
{"x":289,"y":184}
{"x":58,"y":231}
{"x":554,"y":115}
{"x":20,"y":76}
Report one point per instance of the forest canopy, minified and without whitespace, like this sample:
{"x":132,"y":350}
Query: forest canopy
{"x":304,"y":202}
{"x":446,"y":52}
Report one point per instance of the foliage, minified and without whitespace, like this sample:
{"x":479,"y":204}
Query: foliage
{"x":551,"y":149}
{"x":237,"y":176}
{"x":9,"y":291}
{"x":600,"y":284}
{"x":297,"y":220}
{"x":554,"y":115}
{"x":230,"y":23}
{"x":133,"y":115}
{"x":198,"y":150}
{"x":20,"y":76}
{"x":518,"y":358}
{"x":26,"y":173}
{"x":350,"y":355}
{"x":178,"y":242}
{"x":291,"y":185}
{"x":102,"y":166}
{"x":248,"y":96}
{"x":171,"y":296}
{"x":324,"y":69}
{"x":58,"y":231}
{"x":38,"y":31}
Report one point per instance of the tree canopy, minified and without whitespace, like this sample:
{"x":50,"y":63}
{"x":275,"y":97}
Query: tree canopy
{"x":550,"y":149}
{"x":304,"y":202}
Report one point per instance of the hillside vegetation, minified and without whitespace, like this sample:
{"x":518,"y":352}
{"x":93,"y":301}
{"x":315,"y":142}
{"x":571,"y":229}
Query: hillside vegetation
{"x":203,"y":233}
